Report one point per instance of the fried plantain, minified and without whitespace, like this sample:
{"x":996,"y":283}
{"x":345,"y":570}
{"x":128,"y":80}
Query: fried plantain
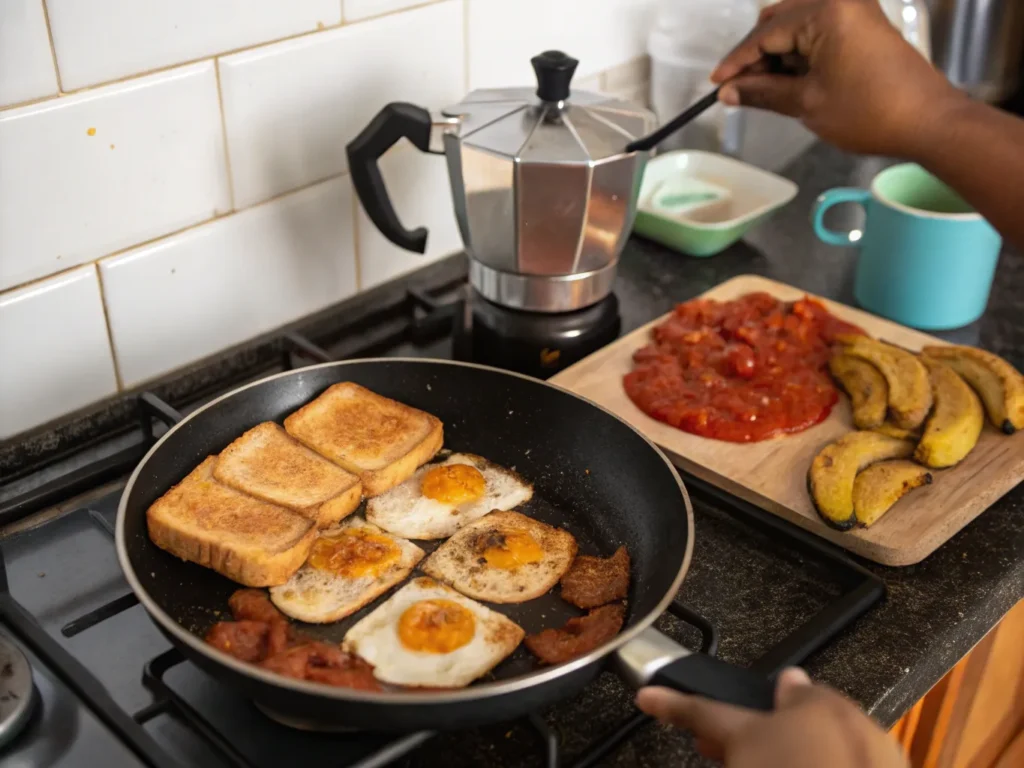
{"x":954,"y":426}
{"x":910,"y":393}
{"x":831,"y":476}
{"x":869,"y":394}
{"x":890,"y":429}
{"x":1000,"y":385}
{"x":878,"y":487}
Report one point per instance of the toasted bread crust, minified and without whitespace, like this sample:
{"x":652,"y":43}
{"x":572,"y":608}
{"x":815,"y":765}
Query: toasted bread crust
{"x":376,"y":483}
{"x":247,"y":540}
{"x":268,"y":464}
{"x":380,"y":440}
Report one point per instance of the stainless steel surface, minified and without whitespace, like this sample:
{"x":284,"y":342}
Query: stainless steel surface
{"x":441,"y":126}
{"x":17,"y":691}
{"x":545,"y":189}
{"x":538,"y":293}
{"x":979,"y":44}
{"x":640,"y":658}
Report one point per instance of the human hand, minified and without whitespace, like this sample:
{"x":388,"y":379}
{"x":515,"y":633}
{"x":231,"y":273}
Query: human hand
{"x":865,"y":89}
{"x":811,"y":726}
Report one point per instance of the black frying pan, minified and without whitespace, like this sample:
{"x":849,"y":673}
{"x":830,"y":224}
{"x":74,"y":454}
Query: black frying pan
{"x":592,"y":473}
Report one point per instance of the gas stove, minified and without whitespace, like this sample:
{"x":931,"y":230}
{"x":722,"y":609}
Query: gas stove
{"x":87,"y":679}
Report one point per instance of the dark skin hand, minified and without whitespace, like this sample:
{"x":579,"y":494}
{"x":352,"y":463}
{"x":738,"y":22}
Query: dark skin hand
{"x":865,"y":89}
{"x":811,"y":726}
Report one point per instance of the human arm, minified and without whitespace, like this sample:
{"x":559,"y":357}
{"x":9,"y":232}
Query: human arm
{"x":867,"y":90}
{"x":811,"y":726}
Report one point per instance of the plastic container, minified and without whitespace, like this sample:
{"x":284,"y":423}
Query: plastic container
{"x":688,"y":40}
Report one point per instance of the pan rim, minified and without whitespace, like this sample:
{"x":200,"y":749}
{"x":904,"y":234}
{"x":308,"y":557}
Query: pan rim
{"x":470,"y":693}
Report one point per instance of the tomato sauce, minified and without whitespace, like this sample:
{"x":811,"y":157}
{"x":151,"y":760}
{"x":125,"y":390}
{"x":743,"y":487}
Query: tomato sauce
{"x":742,"y":370}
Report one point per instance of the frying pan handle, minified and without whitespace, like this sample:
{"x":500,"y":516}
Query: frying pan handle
{"x":651,"y":658}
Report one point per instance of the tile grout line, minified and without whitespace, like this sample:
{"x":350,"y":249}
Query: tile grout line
{"x":110,"y":331}
{"x":173,"y":233}
{"x":355,"y":240}
{"x":53,"y":50}
{"x":465,"y":46}
{"x":206,"y":57}
{"x":166,"y":67}
{"x":224,"y":134}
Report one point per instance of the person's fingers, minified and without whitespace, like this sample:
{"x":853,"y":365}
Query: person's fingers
{"x":708,"y":720}
{"x":769,"y":12}
{"x":712,"y":750}
{"x":778,"y":35}
{"x":778,"y":93}
{"x":792,"y":687}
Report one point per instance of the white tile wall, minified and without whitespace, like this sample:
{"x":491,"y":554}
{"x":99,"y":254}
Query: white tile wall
{"x":419,"y":188}
{"x":600,"y":33}
{"x":101,"y":40}
{"x":54,"y":351}
{"x":26,"y":61}
{"x":103,"y":170}
{"x":197,"y":292}
{"x":354,"y":10}
{"x":101,"y":157}
{"x":291,"y":107}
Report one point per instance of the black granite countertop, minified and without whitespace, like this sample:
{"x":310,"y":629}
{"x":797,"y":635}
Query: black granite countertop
{"x":755,"y":590}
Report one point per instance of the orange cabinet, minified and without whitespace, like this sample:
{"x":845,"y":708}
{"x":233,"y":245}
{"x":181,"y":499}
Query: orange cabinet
{"x":974,"y":716}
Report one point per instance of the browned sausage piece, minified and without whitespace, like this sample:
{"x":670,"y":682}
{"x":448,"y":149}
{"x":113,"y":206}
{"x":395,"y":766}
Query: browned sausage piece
{"x":579,"y":636}
{"x":323,"y":663}
{"x":594,"y":581}
{"x":254,"y":605}
{"x":245,"y":640}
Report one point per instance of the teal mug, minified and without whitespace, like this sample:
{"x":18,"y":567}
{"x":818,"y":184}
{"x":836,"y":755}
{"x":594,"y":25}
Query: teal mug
{"x":927,"y":259}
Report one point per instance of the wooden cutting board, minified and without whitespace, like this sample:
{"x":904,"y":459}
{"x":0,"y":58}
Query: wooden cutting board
{"x":773,"y":473}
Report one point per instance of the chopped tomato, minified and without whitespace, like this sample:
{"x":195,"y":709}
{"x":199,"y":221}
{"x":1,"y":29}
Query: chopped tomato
{"x":742,"y":370}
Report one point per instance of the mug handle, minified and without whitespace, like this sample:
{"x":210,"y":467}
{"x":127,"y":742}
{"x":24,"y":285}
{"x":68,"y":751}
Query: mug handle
{"x":826,"y":201}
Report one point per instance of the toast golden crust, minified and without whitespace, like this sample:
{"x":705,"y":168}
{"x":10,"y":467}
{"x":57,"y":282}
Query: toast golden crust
{"x":380,"y":440}
{"x":247,"y":540}
{"x":268,"y":464}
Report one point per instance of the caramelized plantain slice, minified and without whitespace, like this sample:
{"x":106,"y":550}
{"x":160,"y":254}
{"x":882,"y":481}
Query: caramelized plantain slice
{"x":1000,"y":385}
{"x":890,"y":429}
{"x":910,"y":392}
{"x":830,"y":478}
{"x":954,"y":426}
{"x":869,"y":394}
{"x":880,"y":486}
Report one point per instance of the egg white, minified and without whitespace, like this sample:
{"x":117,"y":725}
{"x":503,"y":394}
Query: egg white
{"x":320,"y":596}
{"x":405,"y":511}
{"x":460,"y":563}
{"x":375,"y":638}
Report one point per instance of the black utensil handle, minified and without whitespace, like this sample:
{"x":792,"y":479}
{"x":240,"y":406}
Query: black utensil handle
{"x":652,"y":140}
{"x":396,"y":121}
{"x":791,"y":64}
{"x":716,"y":679}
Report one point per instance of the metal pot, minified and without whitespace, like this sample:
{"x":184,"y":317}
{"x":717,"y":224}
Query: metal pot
{"x":544,"y":192}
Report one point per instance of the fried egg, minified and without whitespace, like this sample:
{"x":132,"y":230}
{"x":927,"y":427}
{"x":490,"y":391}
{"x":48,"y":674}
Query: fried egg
{"x":428,"y":635}
{"x":441,"y":498}
{"x":504,"y":557}
{"x":349,"y":565}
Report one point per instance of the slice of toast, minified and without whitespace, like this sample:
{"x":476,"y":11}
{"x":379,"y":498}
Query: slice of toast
{"x":380,"y":440}
{"x":267,"y":464}
{"x":248,"y":540}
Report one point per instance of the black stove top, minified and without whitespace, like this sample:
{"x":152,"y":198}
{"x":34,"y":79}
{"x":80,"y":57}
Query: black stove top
{"x":111,"y":690}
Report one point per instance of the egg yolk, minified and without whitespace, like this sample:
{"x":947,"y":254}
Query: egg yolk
{"x":354,"y":553}
{"x":510,"y":550}
{"x":453,"y":484}
{"x":436,"y":626}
